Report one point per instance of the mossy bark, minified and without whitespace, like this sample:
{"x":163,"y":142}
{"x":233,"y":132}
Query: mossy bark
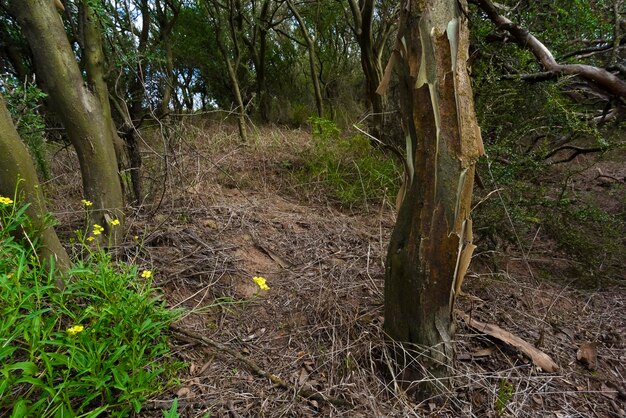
{"x":79,"y":109}
{"x":17,"y":172}
{"x":431,"y":244}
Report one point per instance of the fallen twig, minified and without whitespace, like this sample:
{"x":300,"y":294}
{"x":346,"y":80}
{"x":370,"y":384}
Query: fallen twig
{"x":305,"y":393}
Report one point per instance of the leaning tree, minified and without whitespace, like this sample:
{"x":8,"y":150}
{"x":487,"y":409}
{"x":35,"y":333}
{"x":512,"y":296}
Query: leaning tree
{"x":80,"y":110}
{"x":18,"y":174}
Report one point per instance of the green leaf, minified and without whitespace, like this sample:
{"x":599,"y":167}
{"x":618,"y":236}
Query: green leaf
{"x":65,"y":411}
{"x":27,"y":367}
{"x":173,"y":411}
{"x":20,"y":409}
{"x":6,"y":352}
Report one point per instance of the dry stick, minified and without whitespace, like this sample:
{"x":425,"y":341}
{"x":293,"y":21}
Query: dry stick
{"x":538,"y":357}
{"x":305,"y":393}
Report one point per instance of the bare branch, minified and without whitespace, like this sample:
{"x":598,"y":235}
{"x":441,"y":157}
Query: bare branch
{"x":577,"y":151}
{"x":597,"y":76}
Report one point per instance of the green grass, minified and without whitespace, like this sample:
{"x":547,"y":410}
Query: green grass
{"x":109,"y":367}
{"x":349,"y":167}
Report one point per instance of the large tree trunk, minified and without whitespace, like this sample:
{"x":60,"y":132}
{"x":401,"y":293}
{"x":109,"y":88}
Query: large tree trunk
{"x":79,"y":109}
{"x":17,"y":172}
{"x":431,"y":244}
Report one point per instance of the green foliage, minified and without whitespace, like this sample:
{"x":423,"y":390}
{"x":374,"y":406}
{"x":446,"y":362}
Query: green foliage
{"x":353,"y":171}
{"x":97,"y":348}
{"x":530,"y":129}
{"x":504,"y":396}
{"x":173,"y":411}
{"x":592,"y":236}
{"x":24,"y":101}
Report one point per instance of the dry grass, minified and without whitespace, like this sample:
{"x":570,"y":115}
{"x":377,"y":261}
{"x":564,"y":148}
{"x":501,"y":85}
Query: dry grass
{"x":220,"y":212}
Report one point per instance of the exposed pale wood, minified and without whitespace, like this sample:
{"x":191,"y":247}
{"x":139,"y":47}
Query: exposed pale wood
{"x":538,"y":357}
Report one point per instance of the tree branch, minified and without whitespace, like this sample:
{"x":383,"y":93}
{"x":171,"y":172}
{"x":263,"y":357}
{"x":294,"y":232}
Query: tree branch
{"x":577,"y":151}
{"x":608,"y":47}
{"x":599,"y":77}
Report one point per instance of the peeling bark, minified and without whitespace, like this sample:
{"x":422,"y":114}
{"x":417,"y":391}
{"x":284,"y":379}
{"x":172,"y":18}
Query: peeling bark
{"x":431,"y":244}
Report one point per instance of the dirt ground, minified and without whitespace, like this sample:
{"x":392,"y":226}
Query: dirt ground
{"x":221,"y":213}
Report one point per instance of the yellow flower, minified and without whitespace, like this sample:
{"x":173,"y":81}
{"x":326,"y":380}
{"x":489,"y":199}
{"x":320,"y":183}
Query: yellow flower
{"x":87,"y":202}
{"x":97,"y":229}
{"x":114,"y":222}
{"x":136,"y":237}
{"x":146,"y":274}
{"x":5,"y":200}
{"x":90,"y":238}
{"x":261,"y":282}
{"x":75,"y":330}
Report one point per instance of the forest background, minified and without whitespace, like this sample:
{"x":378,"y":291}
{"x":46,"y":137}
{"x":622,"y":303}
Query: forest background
{"x":194,"y":127}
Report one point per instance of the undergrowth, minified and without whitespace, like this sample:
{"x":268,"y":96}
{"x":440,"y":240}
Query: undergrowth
{"x":96,"y":348}
{"x":351,"y":170}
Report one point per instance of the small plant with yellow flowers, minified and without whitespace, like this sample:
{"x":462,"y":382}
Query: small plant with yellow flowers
{"x":261,"y":282}
{"x":99,"y":346}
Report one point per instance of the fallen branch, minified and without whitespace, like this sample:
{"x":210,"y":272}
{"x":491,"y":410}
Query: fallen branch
{"x":538,"y":357}
{"x":305,"y":393}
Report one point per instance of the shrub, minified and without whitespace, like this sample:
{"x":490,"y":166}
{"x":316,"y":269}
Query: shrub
{"x":97,"y":347}
{"x":353,"y":171}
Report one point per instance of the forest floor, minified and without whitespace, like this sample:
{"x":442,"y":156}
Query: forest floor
{"x":223,"y":212}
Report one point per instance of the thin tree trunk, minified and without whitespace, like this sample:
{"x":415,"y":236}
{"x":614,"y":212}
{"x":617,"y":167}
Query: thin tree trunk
{"x":319,"y":101}
{"x":169,"y":76}
{"x":94,"y":61}
{"x":241,"y":109}
{"x":17,"y":172}
{"x":363,"y":15}
{"x":431,"y":244}
{"x":78,"y":108}
{"x":232,"y":64}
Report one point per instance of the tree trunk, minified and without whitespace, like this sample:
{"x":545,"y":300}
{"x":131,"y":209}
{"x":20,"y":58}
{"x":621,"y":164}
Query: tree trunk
{"x":232,"y":64}
{"x":168,"y":88}
{"x":94,"y":61}
{"x":431,"y":244}
{"x":79,"y":109}
{"x":310,"y":44}
{"x":363,"y":17}
{"x":241,"y":108}
{"x":17,"y":172}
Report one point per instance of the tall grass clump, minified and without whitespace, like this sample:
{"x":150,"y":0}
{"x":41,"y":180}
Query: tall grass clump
{"x":95,"y":348}
{"x":349,"y":167}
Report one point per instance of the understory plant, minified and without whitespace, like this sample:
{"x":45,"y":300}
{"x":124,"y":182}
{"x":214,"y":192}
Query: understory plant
{"x":354,"y":171}
{"x":95,"y":348}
